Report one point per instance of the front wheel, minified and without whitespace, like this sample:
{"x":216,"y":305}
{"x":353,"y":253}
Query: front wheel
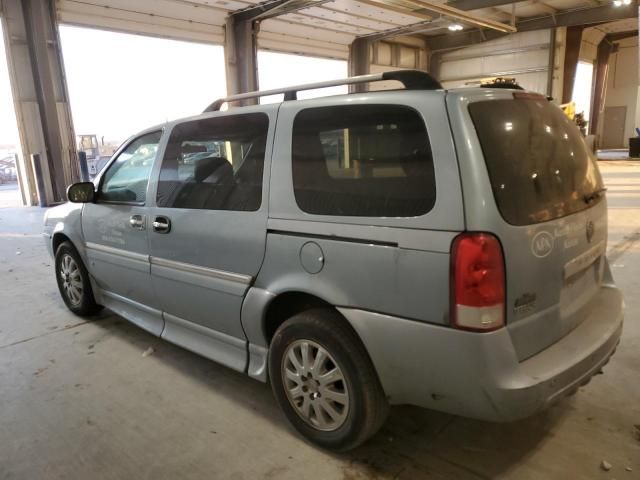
{"x":324,"y":381}
{"x":73,"y":281}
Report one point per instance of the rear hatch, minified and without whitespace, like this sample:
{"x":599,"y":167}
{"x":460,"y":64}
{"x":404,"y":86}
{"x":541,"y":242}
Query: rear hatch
{"x":530,"y":179}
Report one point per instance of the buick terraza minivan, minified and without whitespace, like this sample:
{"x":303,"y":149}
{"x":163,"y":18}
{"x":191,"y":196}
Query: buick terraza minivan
{"x":419,"y":246}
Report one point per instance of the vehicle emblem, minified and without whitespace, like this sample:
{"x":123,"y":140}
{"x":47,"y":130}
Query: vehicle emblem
{"x":590,"y":230}
{"x":542,"y":244}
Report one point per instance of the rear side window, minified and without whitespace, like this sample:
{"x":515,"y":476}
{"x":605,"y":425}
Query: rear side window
{"x":215,"y":164}
{"x":362,"y":160}
{"x":539,"y":165}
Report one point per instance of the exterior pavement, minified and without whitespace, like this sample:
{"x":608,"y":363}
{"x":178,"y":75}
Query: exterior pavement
{"x":79,"y":400}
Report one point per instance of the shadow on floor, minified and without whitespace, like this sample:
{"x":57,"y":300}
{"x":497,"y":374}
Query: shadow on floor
{"x":414,"y":443}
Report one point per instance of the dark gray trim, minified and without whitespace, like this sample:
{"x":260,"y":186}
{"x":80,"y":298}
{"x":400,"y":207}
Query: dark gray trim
{"x":334,"y":238}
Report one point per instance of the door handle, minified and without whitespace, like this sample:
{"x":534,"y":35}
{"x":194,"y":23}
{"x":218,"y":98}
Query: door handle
{"x":137,"y":222}
{"x":161,"y":224}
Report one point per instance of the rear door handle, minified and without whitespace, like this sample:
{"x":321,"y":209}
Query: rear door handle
{"x":137,"y":222}
{"x":161,"y":224}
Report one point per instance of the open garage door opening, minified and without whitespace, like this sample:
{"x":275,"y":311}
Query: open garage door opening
{"x":121,"y":83}
{"x":277,"y":70}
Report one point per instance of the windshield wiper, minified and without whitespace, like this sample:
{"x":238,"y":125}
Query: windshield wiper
{"x":590,"y":197}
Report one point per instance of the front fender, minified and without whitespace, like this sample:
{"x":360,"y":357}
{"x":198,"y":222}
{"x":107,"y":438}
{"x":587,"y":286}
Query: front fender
{"x":65,"y":220}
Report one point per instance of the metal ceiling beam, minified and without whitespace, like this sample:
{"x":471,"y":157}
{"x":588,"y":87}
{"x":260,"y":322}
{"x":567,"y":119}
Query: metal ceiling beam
{"x":414,"y":28}
{"x":421,"y":13}
{"x":568,"y":18}
{"x":429,"y":6}
{"x":617,"y":36}
{"x":477,"y":4}
{"x":546,"y":7}
{"x":274,"y":8}
{"x":290,"y":6}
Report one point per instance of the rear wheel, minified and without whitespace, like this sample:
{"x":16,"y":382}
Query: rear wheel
{"x":73,"y":281}
{"x":324,"y":381}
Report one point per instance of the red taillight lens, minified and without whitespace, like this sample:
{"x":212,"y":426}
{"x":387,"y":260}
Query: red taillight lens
{"x":477,"y":282}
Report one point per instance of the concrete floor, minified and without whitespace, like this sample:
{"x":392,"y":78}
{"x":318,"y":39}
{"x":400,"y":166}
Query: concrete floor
{"x":78,"y":400}
{"x":614,"y":154}
{"x":10,"y":195}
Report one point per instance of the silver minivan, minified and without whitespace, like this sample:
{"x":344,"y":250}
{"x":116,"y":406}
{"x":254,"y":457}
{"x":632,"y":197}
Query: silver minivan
{"x":419,"y":246}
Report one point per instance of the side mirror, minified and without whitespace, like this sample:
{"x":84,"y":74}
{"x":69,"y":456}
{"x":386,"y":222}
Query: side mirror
{"x":83,"y":192}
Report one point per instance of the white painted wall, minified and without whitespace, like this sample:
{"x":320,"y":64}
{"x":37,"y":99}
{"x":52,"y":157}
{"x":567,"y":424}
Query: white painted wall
{"x":467,"y":66}
{"x":622,"y":84}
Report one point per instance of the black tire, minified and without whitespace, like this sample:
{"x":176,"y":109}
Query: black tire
{"x":367,"y":405}
{"x":84,"y":303}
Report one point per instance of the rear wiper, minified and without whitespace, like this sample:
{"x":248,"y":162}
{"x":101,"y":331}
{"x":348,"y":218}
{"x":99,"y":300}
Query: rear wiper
{"x":589,"y":197}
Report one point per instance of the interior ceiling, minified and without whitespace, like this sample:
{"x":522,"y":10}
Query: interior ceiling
{"x":316,"y":27}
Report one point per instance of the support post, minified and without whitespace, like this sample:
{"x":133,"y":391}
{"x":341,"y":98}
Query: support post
{"x":38,"y":171}
{"x":40,"y":97}
{"x":359,"y":62}
{"x":552,"y":61}
{"x":571,"y":57}
{"x":241,"y":56}
{"x":600,"y":75}
{"x":637,"y":119}
{"x":21,"y":180}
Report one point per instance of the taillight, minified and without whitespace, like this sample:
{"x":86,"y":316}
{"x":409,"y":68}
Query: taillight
{"x":477,"y":282}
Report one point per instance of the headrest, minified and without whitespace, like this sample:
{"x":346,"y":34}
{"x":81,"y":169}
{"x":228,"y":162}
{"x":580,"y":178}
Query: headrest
{"x":207,"y":166}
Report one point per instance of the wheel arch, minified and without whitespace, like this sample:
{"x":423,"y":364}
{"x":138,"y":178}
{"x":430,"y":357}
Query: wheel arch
{"x":287,"y":304}
{"x":58,"y":238}
{"x":264,"y":311}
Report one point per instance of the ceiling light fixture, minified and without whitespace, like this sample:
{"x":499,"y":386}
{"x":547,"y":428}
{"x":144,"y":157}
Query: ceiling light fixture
{"x":619,"y":3}
{"x":455,"y":27}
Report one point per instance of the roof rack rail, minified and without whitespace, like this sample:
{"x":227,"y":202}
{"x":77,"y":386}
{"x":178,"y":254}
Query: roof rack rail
{"x":411,"y":79}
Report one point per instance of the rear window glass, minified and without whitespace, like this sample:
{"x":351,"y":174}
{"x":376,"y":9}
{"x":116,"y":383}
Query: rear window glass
{"x":539,"y":165}
{"x":362,"y":160}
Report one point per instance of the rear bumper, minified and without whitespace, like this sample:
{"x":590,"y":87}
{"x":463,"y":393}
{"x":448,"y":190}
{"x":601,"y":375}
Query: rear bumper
{"x":479,"y":375}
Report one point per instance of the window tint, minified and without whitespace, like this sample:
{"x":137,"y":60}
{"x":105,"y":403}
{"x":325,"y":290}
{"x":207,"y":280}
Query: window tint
{"x":362,"y":160}
{"x":539,"y":165}
{"x":215,"y":164}
{"x":126,"y":179}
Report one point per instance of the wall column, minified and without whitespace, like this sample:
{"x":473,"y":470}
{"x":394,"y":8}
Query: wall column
{"x":571,"y":57}
{"x":40,"y":96}
{"x":241,"y":56}
{"x":637,"y":125}
{"x":359,"y":62}
{"x":600,"y":75}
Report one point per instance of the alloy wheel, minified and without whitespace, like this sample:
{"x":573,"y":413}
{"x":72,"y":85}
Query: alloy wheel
{"x":315,"y":385}
{"x":71,"y":279}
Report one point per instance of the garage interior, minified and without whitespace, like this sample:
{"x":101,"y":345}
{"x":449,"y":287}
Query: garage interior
{"x":86,"y":399}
